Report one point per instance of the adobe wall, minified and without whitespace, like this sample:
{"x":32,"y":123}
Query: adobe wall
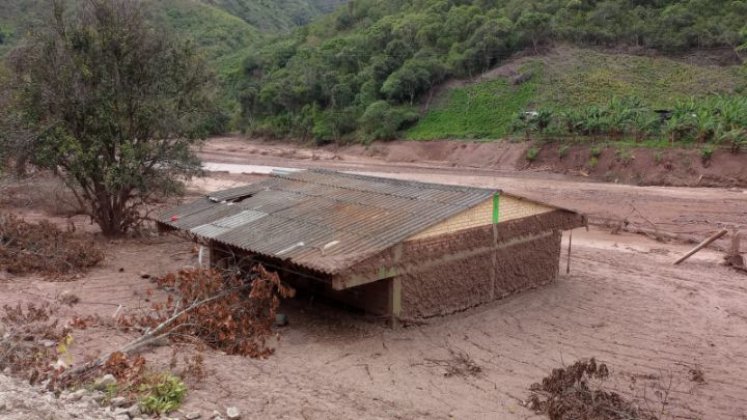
{"x":452,"y":272}
{"x":457,"y":285}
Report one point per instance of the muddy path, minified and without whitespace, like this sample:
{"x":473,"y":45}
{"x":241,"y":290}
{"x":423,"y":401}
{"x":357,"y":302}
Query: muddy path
{"x":690,"y":213}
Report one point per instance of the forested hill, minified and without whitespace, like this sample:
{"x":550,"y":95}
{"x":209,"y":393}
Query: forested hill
{"x":223,"y":28}
{"x":358,"y":71}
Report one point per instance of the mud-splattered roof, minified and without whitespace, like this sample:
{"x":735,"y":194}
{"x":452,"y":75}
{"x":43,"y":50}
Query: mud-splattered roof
{"x":322,"y":220}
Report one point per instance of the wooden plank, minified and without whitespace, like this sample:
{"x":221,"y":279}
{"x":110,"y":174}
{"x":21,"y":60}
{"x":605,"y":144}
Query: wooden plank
{"x":702,"y":245}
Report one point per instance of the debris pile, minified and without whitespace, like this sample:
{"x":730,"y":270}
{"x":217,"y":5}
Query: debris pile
{"x":570,"y":393}
{"x":459,"y":364}
{"x":32,"y":344}
{"x":233,"y":313}
{"x":44,"y":248}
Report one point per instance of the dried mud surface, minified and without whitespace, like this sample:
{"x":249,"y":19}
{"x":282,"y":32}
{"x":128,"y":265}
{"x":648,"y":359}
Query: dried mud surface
{"x":623,"y":303}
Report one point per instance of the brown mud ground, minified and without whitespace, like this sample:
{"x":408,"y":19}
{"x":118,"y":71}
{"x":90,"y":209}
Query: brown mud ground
{"x":623,"y":303}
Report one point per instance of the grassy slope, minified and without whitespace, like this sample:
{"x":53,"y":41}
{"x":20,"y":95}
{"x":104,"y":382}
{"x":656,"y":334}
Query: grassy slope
{"x":482,"y":110}
{"x":565,"y":79}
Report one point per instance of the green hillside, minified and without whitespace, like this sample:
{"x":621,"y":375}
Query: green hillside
{"x":222,"y":28}
{"x":276,"y":15}
{"x":377,"y":60}
{"x":569,"y":79}
{"x":221,"y":36}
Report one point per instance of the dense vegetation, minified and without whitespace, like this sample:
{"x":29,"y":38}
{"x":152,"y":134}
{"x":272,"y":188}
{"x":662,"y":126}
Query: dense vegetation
{"x":222,"y":28}
{"x":375,"y":59}
{"x":713,"y":120}
{"x":571,"y":80}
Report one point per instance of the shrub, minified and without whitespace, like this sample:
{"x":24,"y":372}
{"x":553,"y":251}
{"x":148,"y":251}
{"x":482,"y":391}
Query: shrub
{"x":595,"y":152}
{"x":532,"y":153}
{"x":161,"y":393}
{"x":381,"y":121}
{"x":706,"y":153}
{"x":625,"y":156}
{"x":563,"y":150}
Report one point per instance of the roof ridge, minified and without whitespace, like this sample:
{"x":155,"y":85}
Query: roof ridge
{"x":385,"y":180}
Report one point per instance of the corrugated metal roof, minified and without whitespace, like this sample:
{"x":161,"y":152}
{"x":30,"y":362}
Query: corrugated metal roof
{"x":323,"y":220}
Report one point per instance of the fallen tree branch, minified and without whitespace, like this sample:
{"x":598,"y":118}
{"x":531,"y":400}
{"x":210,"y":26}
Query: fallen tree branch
{"x":161,"y":331}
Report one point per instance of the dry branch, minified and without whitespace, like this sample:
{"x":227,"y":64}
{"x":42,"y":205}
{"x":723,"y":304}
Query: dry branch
{"x":226,"y":311}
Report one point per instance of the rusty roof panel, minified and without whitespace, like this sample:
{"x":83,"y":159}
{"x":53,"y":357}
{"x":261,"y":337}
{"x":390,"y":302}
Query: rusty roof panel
{"x":322,"y":220}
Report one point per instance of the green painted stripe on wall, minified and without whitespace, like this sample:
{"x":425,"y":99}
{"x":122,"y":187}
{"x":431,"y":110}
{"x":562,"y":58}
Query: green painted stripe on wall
{"x":496,"y":208}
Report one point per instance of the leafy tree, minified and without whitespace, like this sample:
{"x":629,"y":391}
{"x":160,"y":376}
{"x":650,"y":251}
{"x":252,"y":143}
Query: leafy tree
{"x":114,"y":106}
{"x":534,"y":26}
{"x":381,"y":120}
{"x":742,"y":49}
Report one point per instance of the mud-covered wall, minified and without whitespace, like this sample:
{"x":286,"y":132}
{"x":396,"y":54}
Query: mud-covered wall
{"x":452,"y":272}
{"x":512,"y":267}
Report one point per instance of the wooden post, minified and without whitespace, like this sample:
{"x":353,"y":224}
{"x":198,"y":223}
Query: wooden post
{"x":736,"y":236}
{"x":734,"y":256}
{"x":568,"y":262}
{"x":702,"y":245}
{"x":395,"y":300}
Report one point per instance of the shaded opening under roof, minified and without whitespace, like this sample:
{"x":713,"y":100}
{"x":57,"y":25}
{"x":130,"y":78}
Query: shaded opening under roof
{"x":240,"y":198}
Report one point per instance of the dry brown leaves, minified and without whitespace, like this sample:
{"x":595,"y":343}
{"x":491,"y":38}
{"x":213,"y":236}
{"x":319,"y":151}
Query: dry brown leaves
{"x":44,"y":248}
{"x":568,"y":394}
{"x":229,"y":312}
{"x":126,"y":369}
{"x":33,"y":346}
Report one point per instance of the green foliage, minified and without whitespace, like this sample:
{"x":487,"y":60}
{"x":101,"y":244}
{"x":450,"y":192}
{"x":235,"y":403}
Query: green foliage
{"x":715,"y":119}
{"x":563,"y":150}
{"x":113,"y":106}
{"x":582,"y":94}
{"x":625,"y":155}
{"x":485,"y":110}
{"x":216,"y":33}
{"x":223,"y":31}
{"x":706,"y":153}
{"x":532,"y":153}
{"x":161,"y":393}
{"x":398,"y":50}
{"x":595,"y":151}
{"x":381,"y":121}
{"x":578,"y":77}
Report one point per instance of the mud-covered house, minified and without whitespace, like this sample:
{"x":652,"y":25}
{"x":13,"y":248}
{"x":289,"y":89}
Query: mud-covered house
{"x":407,"y":250}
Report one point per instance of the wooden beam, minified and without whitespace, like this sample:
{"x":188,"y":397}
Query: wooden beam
{"x":702,"y":245}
